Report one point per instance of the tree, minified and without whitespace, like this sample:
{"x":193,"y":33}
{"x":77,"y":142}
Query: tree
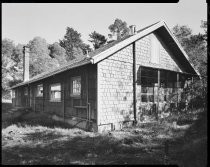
{"x":7,"y":51}
{"x":11,"y":66}
{"x":204,"y":26}
{"x":182,"y":33}
{"x":97,"y":39}
{"x":120,"y":28}
{"x":72,"y":43}
{"x":39,"y":60}
{"x":7,"y":47}
{"x":195,"y":47}
{"x":85,"y":47}
{"x":58,"y":52}
{"x":17,"y":68}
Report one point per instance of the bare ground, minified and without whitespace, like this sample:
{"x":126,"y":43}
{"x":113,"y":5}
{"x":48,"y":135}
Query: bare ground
{"x":35,"y":139}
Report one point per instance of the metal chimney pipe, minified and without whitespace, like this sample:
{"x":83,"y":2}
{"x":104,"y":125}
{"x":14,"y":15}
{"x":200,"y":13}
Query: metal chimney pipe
{"x":25,"y":63}
{"x":132,"y":29}
{"x":87,"y":53}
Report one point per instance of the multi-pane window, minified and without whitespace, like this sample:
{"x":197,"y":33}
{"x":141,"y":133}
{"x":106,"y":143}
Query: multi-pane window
{"x":40,"y":90}
{"x":55,"y":92}
{"x":76,"y":86}
{"x":25,"y":91}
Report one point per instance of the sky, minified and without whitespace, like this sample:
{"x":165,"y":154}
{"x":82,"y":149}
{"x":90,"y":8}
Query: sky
{"x":21,"y":22}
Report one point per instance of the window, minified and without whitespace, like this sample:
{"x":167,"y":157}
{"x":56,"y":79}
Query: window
{"x":76,"y":86}
{"x":40,"y":90}
{"x":55,"y":92}
{"x":155,"y":52}
{"x":25,"y":91}
{"x":13,"y":93}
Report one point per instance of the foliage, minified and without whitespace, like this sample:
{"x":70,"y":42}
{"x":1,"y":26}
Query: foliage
{"x":85,"y":47}
{"x":182,"y":33}
{"x":73,"y":44}
{"x":204,"y":26}
{"x":58,"y":52}
{"x":39,"y":60}
{"x":195,"y":46}
{"x":17,"y":68}
{"x":39,"y":133}
{"x":120,"y":28}
{"x":11,"y":66}
{"x":97,"y":39}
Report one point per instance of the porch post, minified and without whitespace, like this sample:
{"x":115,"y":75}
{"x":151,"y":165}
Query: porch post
{"x":140,"y":81}
{"x":43,"y":97}
{"x":134,"y":82}
{"x":192,"y":80}
{"x":34,"y":101}
{"x":28,"y":99}
{"x":177,"y":85}
{"x":87,"y":94}
{"x":158,"y":94}
{"x":63,"y":97}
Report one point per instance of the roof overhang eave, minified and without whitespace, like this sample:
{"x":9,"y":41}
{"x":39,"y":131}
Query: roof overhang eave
{"x":136,"y":37}
{"x":126,"y":42}
{"x":38,"y":79}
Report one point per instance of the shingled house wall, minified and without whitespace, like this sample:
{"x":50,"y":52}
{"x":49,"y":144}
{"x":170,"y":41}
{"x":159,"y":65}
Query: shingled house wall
{"x":115,"y":82}
{"x":115,"y":89}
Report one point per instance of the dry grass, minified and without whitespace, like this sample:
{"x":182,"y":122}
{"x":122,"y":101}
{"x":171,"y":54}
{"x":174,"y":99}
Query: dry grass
{"x":38,"y":140}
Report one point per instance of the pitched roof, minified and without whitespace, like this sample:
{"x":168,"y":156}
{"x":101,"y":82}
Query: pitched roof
{"x":164,"y":32}
{"x":105,"y":51}
{"x":72,"y":64}
{"x":109,"y":45}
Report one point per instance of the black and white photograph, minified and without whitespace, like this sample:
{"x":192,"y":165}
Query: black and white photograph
{"x":104,"y":83}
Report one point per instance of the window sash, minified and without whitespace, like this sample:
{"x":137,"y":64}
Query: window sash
{"x":13,"y":93}
{"x":40,"y":90}
{"x":55,"y":92}
{"x":76,"y":86}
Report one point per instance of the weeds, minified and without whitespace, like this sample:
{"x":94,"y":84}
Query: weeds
{"x":38,"y":140}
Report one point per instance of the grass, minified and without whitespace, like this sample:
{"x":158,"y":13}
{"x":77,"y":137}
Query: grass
{"x":35,"y":139}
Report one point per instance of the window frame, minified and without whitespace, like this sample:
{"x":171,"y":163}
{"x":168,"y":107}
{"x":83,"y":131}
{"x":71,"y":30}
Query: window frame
{"x":13,"y":94}
{"x":37,"y":94}
{"x":55,"y":99}
{"x":71,"y":86}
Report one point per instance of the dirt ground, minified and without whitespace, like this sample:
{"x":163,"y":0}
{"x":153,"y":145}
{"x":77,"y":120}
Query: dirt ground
{"x":34,"y":139}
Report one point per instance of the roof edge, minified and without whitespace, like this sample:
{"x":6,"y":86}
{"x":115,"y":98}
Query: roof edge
{"x":137,"y":36}
{"x":180,"y":47}
{"x":126,"y":42}
{"x":43,"y":77}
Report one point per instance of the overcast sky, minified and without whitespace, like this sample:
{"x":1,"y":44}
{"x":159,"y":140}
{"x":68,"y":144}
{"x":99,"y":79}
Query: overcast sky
{"x":22,"y":22}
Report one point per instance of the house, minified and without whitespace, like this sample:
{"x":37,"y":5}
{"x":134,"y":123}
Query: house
{"x":113,"y":84}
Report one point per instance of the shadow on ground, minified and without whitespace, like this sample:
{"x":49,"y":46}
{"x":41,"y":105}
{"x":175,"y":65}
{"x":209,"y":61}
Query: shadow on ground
{"x":36,"y":139}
